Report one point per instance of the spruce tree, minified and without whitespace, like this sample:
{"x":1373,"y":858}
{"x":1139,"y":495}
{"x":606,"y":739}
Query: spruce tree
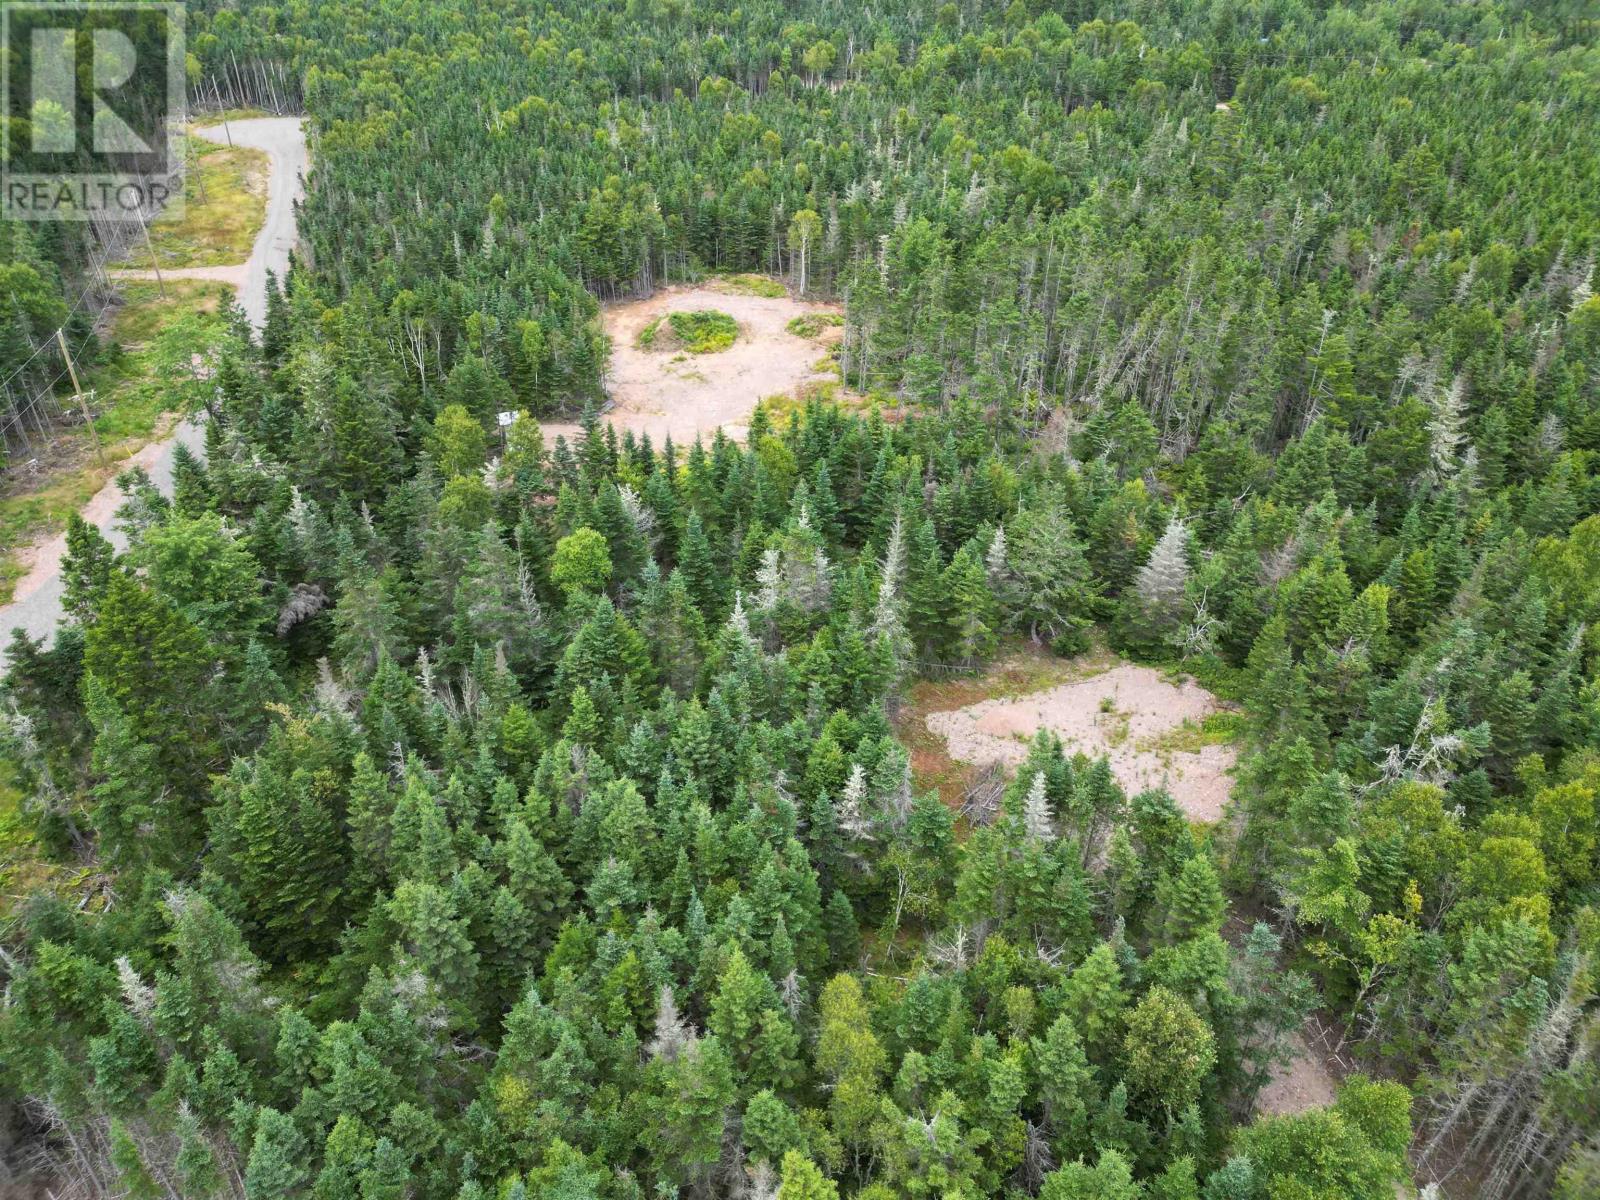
{"x":1193,"y":901}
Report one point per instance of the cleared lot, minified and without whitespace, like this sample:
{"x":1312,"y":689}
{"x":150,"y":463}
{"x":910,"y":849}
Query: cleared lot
{"x":666,"y":391}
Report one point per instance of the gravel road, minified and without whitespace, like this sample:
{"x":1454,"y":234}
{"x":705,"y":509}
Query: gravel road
{"x":36,"y":603}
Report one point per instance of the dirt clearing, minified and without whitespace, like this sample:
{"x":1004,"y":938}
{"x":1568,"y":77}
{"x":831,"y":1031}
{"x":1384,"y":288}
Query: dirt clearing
{"x":668,"y":392}
{"x":1156,"y":734}
{"x":1304,"y":1083}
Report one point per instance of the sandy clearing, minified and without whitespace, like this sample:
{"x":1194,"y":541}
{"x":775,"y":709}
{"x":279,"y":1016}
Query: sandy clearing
{"x":1305,"y":1083}
{"x":664,"y":392}
{"x":1143,"y":708}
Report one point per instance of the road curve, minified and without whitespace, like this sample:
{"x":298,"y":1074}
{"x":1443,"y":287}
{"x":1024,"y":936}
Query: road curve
{"x":36,"y":603}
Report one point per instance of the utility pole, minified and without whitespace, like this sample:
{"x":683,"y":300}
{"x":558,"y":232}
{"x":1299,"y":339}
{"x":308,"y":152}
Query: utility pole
{"x":217,"y":92}
{"x":150,"y":246}
{"x":83,"y":404}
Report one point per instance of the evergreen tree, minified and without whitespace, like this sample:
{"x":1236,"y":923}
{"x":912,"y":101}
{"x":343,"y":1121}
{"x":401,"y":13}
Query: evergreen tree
{"x":969,"y":635}
{"x":1169,"y":1050}
{"x":1192,"y":900}
{"x":153,"y":663}
{"x":276,"y":1166}
{"x":85,"y":570}
{"x":1154,"y":612}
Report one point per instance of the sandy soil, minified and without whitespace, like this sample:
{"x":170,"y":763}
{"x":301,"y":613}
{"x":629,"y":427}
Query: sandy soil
{"x":663,"y":392}
{"x":233,"y":276}
{"x":1305,"y":1083}
{"x":1144,"y":708}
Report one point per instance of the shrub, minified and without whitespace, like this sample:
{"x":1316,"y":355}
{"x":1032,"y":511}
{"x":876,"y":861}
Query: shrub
{"x":704,"y":331}
{"x":809,"y":325}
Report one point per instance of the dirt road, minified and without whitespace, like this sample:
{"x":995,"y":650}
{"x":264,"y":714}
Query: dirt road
{"x":36,"y":603}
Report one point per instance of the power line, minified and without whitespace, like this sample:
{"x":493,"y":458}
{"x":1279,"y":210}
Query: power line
{"x":45,"y":344}
{"x":45,"y":399}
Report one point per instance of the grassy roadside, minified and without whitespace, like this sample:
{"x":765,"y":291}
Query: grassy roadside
{"x":225,"y":199}
{"x":226,"y":202}
{"x":135,"y":409}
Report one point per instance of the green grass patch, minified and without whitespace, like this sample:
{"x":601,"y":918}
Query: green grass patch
{"x":135,"y":390}
{"x":1219,"y":678}
{"x":224,"y":196}
{"x":145,"y":311}
{"x":11,"y":573}
{"x":1217,"y":729}
{"x":23,"y":518}
{"x":809,"y":325}
{"x":751,"y":285}
{"x":231,"y":114}
{"x":704,"y":331}
{"x":153,"y":373}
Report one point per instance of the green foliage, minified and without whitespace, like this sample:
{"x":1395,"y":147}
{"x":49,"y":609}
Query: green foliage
{"x":85,"y":571}
{"x":457,"y":442}
{"x":276,"y":1166}
{"x":810,"y":325}
{"x":801,"y":1180}
{"x":1355,"y":1149}
{"x":1169,"y":1051}
{"x":703,"y":331}
{"x":747,"y":284}
{"x":455,"y":811}
{"x":582,"y":563}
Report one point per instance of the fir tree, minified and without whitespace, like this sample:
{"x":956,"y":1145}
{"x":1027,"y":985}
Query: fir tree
{"x":969,"y":636}
{"x":1193,"y":901}
{"x":85,"y":570}
{"x":277,"y":1163}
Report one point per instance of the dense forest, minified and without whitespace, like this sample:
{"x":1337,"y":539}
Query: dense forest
{"x":459,"y":812}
